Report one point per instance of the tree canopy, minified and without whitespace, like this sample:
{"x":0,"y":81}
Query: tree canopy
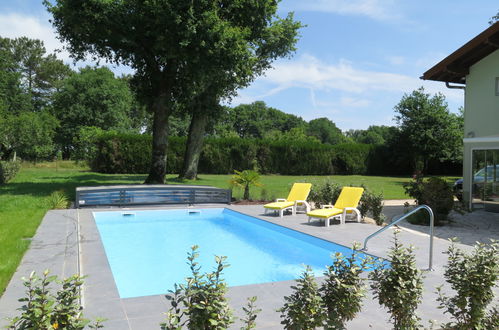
{"x":374,"y":134}
{"x":92,"y":97}
{"x":325,"y":131}
{"x":37,"y":73}
{"x":255,"y":120}
{"x":428,"y":129}
{"x":171,"y":44}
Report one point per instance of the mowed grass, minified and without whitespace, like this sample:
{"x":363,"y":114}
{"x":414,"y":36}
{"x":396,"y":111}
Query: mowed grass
{"x":277,"y":186}
{"x":23,"y":202}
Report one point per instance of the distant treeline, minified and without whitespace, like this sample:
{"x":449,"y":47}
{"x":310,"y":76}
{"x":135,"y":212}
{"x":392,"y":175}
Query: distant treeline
{"x":48,"y":110}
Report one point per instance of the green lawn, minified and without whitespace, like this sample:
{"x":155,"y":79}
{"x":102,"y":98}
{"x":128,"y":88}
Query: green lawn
{"x":23,"y":201}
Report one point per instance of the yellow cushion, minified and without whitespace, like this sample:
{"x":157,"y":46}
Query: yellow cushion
{"x":349,"y":197}
{"x":299,"y":192}
{"x":279,"y":205}
{"x":325,"y":213}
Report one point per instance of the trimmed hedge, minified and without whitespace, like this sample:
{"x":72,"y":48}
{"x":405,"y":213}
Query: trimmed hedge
{"x":8,"y":170}
{"x":131,"y":153}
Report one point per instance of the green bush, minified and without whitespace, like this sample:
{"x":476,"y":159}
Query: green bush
{"x":250,"y":312}
{"x":399,"y":288}
{"x":472,"y":277}
{"x":58,"y":200}
{"x":201,"y":302}
{"x":434,"y":192}
{"x":324,"y":193}
{"x":8,"y":170}
{"x":45,"y":310}
{"x":304,"y":308}
{"x":375,"y":206}
{"x":203,"y":299}
{"x":246,"y":179}
{"x":343,"y":289}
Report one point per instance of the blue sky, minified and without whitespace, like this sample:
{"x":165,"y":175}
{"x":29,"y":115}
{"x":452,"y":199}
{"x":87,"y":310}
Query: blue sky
{"x":354,"y":61}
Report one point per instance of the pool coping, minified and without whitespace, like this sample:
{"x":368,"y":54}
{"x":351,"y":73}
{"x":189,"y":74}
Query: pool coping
{"x":56,"y":246}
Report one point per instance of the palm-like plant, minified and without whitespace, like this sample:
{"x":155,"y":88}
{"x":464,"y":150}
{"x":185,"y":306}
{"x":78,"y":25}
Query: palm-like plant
{"x":245,"y":179}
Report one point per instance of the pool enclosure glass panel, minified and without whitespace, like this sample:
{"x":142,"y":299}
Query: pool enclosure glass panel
{"x":485,"y":186}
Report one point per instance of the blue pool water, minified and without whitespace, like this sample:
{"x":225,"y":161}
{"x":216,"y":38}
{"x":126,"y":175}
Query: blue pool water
{"x":147,"y":250}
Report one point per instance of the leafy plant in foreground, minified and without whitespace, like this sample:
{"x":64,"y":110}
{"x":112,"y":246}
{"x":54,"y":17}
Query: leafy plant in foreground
{"x":473,"y":277}
{"x":201,"y":301}
{"x":343,"y":289}
{"x":399,"y":288}
{"x":304,"y":308}
{"x":250,"y":314}
{"x":44,"y":310}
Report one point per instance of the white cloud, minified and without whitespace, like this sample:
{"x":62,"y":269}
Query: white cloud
{"x":383,"y":10}
{"x":354,"y":102}
{"x":311,"y":73}
{"x":15,"y":25}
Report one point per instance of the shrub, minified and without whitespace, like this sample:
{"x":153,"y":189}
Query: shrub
{"x":434,"y":192}
{"x":324,"y":193}
{"x":58,"y":200}
{"x":304,"y":309}
{"x":203,"y":299}
{"x":45,"y":310}
{"x":343,"y":289}
{"x":85,"y":143}
{"x":245,"y":179}
{"x":8,"y":170}
{"x":472,"y":277}
{"x":375,"y":206}
{"x":399,"y":288}
{"x":250,"y":314}
{"x":364,"y":204}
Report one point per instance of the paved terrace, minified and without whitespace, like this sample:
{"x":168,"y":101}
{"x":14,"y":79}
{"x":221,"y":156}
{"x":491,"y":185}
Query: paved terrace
{"x":56,"y":247}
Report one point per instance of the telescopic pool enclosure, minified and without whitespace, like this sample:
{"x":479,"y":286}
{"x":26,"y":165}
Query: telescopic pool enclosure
{"x":127,"y":195}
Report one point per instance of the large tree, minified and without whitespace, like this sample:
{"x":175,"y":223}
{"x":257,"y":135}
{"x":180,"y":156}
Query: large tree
{"x":12,"y":97}
{"x":428,"y":129}
{"x":269,"y":38}
{"x":167,"y":42}
{"x":40,"y":74}
{"x":92,"y":97}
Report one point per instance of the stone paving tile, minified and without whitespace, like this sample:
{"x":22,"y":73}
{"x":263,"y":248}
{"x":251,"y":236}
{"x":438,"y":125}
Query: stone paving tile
{"x":55,"y":245}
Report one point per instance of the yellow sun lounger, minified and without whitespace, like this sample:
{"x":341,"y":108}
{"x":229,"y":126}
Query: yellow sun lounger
{"x":347,"y":202}
{"x":297,"y":197}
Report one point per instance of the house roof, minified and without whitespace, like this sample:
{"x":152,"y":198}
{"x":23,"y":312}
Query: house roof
{"x":456,"y":66}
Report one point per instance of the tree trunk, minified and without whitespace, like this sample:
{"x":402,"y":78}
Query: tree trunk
{"x":159,"y":141}
{"x":246,"y":192}
{"x":194,"y":145}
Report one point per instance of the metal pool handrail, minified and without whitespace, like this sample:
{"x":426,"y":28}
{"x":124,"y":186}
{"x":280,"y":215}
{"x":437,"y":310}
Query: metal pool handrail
{"x":432,"y":220}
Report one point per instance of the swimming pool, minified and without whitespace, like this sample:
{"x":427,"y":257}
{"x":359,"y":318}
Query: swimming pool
{"x":147,"y":250}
